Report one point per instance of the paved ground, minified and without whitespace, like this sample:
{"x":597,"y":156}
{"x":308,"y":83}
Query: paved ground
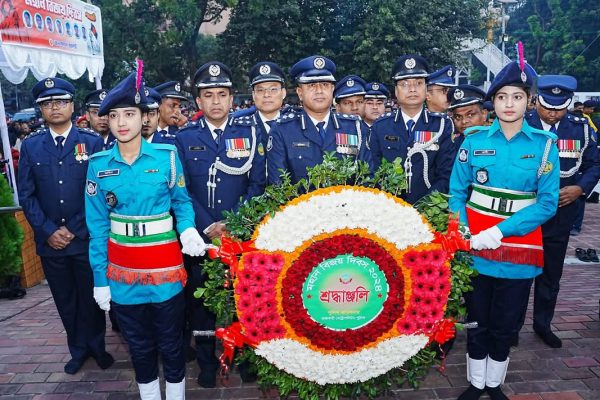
{"x":33,"y":351}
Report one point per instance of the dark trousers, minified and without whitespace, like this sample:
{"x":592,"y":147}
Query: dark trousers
{"x":199,"y":317}
{"x":72,"y":285}
{"x":580,"y":203}
{"x":496,"y":304}
{"x":556,"y":239}
{"x":151,"y":328}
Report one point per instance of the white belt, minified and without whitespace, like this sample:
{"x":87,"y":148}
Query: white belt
{"x":498,"y":204}
{"x":141,"y":228}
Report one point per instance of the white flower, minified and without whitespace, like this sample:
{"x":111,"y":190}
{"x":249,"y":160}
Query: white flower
{"x":303,"y":362}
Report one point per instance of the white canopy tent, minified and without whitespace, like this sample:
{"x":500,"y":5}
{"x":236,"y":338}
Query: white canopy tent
{"x":46,"y":38}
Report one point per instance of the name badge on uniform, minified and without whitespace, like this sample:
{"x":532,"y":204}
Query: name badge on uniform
{"x":568,"y":148}
{"x":197,"y":148}
{"x":482,"y":175}
{"x":346,"y":144}
{"x":108,"y":172}
{"x":300,"y":144}
{"x":80,"y":152}
{"x":238,"y":148}
{"x":391,"y":138}
{"x":490,"y":152}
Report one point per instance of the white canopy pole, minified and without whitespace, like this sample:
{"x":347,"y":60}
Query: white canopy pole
{"x":6,"y":150}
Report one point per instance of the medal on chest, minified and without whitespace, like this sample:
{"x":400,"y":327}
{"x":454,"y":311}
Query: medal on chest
{"x":346,"y":144}
{"x":568,"y":148}
{"x":80,"y":152}
{"x":238,"y":147}
{"x":423,"y":137}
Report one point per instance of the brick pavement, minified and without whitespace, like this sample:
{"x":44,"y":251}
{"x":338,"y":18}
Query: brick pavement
{"x":33,"y":351}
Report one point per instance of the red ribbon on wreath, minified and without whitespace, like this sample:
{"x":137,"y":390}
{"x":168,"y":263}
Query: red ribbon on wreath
{"x":442,"y":332}
{"x":453,"y":240}
{"x":229,"y":250}
{"x":232,"y":338}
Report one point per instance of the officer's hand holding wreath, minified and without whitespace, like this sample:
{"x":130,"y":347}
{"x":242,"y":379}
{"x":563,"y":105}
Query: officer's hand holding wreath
{"x":192,"y":244}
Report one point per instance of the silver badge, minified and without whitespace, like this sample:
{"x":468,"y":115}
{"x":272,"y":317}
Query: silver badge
{"x":450,"y":72}
{"x":178,"y":87}
{"x":375,"y":86}
{"x":463,"y":155}
{"x":264,"y":69}
{"x":482,"y":176}
{"x":556,"y":90}
{"x":270,"y":143}
{"x":91,"y":188}
{"x":350,"y":82}
{"x":410,"y":63}
{"x":319,"y":63}
{"x":458,"y":94}
{"x":102,"y":95}
{"x":214,"y":70}
{"x":137,"y":98}
{"x":146,"y":92}
{"x":49,"y":83}
{"x":523,"y":76}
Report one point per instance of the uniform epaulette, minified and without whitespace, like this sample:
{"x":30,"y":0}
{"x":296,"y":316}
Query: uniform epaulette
{"x":577,"y":120}
{"x":246,"y":120}
{"x":544,"y":133}
{"x":475,"y":129}
{"x":39,"y":132}
{"x":289,"y":116}
{"x":189,"y":124}
{"x":347,"y":116}
{"x":100,"y":154}
{"x":437,"y":114}
{"x":386,"y":116}
{"x":88,"y":131}
{"x":164,"y":146}
{"x":169,"y":135}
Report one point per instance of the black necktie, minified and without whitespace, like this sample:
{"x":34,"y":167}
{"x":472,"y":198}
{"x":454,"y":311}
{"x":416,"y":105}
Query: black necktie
{"x":553,"y":129}
{"x":410,"y":125}
{"x":271,"y":123}
{"x":59,"y":144}
{"x":218,"y":133}
{"x":321,"y":128}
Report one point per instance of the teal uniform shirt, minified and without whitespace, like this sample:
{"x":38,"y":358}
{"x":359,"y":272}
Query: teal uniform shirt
{"x":141,"y":189}
{"x":510,"y":164}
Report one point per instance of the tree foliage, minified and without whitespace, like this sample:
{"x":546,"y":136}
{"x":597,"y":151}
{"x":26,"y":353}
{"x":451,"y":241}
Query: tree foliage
{"x":11,"y":236}
{"x":560,"y":37}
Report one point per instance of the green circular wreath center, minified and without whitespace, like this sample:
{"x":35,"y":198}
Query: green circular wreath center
{"x":345,"y":292}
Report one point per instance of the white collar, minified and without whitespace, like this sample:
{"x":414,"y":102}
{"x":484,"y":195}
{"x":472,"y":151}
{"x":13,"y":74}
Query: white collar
{"x":265,"y":119}
{"x":316,"y":121}
{"x":65,"y":135}
{"x":406,"y":118}
{"x":547,"y":127}
{"x":212,"y":127}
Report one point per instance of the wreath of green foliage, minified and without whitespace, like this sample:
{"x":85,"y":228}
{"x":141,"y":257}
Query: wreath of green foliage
{"x":390,"y":177}
{"x":11,"y":236}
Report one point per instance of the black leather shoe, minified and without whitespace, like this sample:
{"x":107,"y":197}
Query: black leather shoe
{"x":73,"y":366}
{"x":472,"y":393}
{"x":549,"y":338}
{"x":495,"y":393}
{"x":105,"y":360}
{"x":207,"y":379}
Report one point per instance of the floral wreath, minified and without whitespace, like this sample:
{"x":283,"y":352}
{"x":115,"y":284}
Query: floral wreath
{"x":332,"y":299}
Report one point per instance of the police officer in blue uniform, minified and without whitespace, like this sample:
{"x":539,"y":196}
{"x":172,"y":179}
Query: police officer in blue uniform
{"x":466,"y":110}
{"x":151,"y":116}
{"x":268,"y":92}
{"x":421,"y":138}
{"x":170,"y":106}
{"x":52,"y":169}
{"x":504,"y":186}
{"x":438,"y":85}
{"x":375,"y":97}
{"x":134,"y":251}
{"x":224,"y":164}
{"x":99,"y":124}
{"x":349,"y":95}
{"x":299,"y":138}
{"x":579,"y":173}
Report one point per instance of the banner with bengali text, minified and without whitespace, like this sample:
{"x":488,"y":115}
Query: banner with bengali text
{"x":70,"y":26}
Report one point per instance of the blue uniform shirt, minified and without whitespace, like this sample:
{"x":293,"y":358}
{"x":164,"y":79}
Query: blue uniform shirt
{"x":295,"y":143}
{"x":51,"y":186}
{"x":239,"y":162}
{"x":510,"y":164}
{"x":431,"y":165}
{"x":141,"y":189}
{"x":578,"y":151}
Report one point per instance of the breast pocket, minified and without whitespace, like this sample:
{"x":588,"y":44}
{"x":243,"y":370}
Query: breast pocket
{"x":42,"y":171}
{"x":114,"y":192}
{"x":155,"y":185}
{"x":481,"y":166}
{"x":526,"y":170}
{"x":78,"y":169}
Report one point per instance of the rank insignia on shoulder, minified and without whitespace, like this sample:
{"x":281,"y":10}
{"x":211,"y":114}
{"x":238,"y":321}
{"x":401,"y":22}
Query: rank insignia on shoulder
{"x":463,"y":155}
{"x":108,"y":172}
{"x":181,"y":181}
{"x":91,"y":188}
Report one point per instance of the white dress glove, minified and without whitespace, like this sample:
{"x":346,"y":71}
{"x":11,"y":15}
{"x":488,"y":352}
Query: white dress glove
{"x":102,"y":297}
{"x":191,"y":243}
{"x":488,"y":239}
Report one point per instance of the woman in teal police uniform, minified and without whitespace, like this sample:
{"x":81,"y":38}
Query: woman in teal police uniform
{"x":134,"y":251}
{"x":504,"y":185}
